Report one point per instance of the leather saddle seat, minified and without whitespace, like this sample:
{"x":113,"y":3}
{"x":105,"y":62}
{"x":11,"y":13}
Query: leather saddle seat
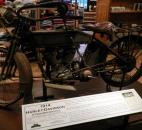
{"x":101,"y":27}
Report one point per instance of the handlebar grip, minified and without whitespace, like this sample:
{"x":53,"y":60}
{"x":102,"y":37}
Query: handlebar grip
{"x":8,"y":15}
{"x":62,"y":7}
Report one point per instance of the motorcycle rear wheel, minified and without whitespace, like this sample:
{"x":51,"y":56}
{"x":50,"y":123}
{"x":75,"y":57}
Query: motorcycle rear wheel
{"x":121,"y":74}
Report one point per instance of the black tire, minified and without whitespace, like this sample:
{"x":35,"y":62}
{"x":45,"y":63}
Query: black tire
{"x":19,"y":83}
{"x":120,"y":75}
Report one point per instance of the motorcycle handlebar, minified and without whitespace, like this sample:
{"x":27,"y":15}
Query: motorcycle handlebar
{"x":62,"y":8}
{"x":10,"y":15}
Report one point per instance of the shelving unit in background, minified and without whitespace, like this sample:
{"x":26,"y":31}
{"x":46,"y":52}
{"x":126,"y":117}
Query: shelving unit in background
{"x":52,"y":24}
{"x":119,"y":11}
{"x":126,"y":12}
{"x":89,"y":17}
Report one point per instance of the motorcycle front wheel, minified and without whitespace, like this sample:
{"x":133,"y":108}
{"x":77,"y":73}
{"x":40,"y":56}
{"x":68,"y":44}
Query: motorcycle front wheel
{"x":18,"y":82}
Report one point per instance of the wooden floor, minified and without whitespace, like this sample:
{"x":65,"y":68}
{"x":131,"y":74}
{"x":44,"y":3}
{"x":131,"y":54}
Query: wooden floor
{"x":10,"y":119}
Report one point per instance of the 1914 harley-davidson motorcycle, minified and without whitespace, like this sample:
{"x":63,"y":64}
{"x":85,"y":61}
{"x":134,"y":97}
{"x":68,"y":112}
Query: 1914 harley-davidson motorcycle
{"x":58,"y":52}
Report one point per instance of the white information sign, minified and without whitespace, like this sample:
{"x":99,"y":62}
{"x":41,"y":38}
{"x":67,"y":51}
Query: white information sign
{"x":66,"y":112}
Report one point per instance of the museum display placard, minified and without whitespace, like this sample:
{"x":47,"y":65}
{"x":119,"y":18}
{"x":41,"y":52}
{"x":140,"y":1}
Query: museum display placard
{"x":72,"y":111}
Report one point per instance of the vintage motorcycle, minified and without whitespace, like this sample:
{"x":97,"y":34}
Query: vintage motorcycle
{"x":58,"y":53}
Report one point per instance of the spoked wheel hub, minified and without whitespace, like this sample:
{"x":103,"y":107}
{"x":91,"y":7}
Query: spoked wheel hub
{"x":130,"y":62}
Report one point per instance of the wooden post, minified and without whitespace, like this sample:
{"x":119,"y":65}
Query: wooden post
{"x":102,"y":10}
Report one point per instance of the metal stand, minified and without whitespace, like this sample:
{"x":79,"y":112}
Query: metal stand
{"x":108,"y":88}
{"x":45,"y":96}
{"x":125,"y":122}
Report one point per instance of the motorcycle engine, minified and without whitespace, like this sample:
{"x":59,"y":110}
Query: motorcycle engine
{"x":59,"y":59}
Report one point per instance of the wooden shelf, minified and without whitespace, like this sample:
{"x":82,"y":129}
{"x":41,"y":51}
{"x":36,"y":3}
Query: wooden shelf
{"x":120,"y":11}
{"x":125,"y":12}
{"x":89,"y":17}
{"x":131,"y":11}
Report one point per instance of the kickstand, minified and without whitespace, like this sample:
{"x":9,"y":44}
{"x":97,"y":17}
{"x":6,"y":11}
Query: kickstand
{"x":108,"y":88}
{"x":45,"y":97}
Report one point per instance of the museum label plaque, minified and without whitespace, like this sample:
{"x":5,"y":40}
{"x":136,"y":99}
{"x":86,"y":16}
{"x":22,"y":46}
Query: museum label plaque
{"x":73,"y":111}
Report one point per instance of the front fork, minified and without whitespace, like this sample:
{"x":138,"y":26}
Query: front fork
{"x":8,"y":68}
